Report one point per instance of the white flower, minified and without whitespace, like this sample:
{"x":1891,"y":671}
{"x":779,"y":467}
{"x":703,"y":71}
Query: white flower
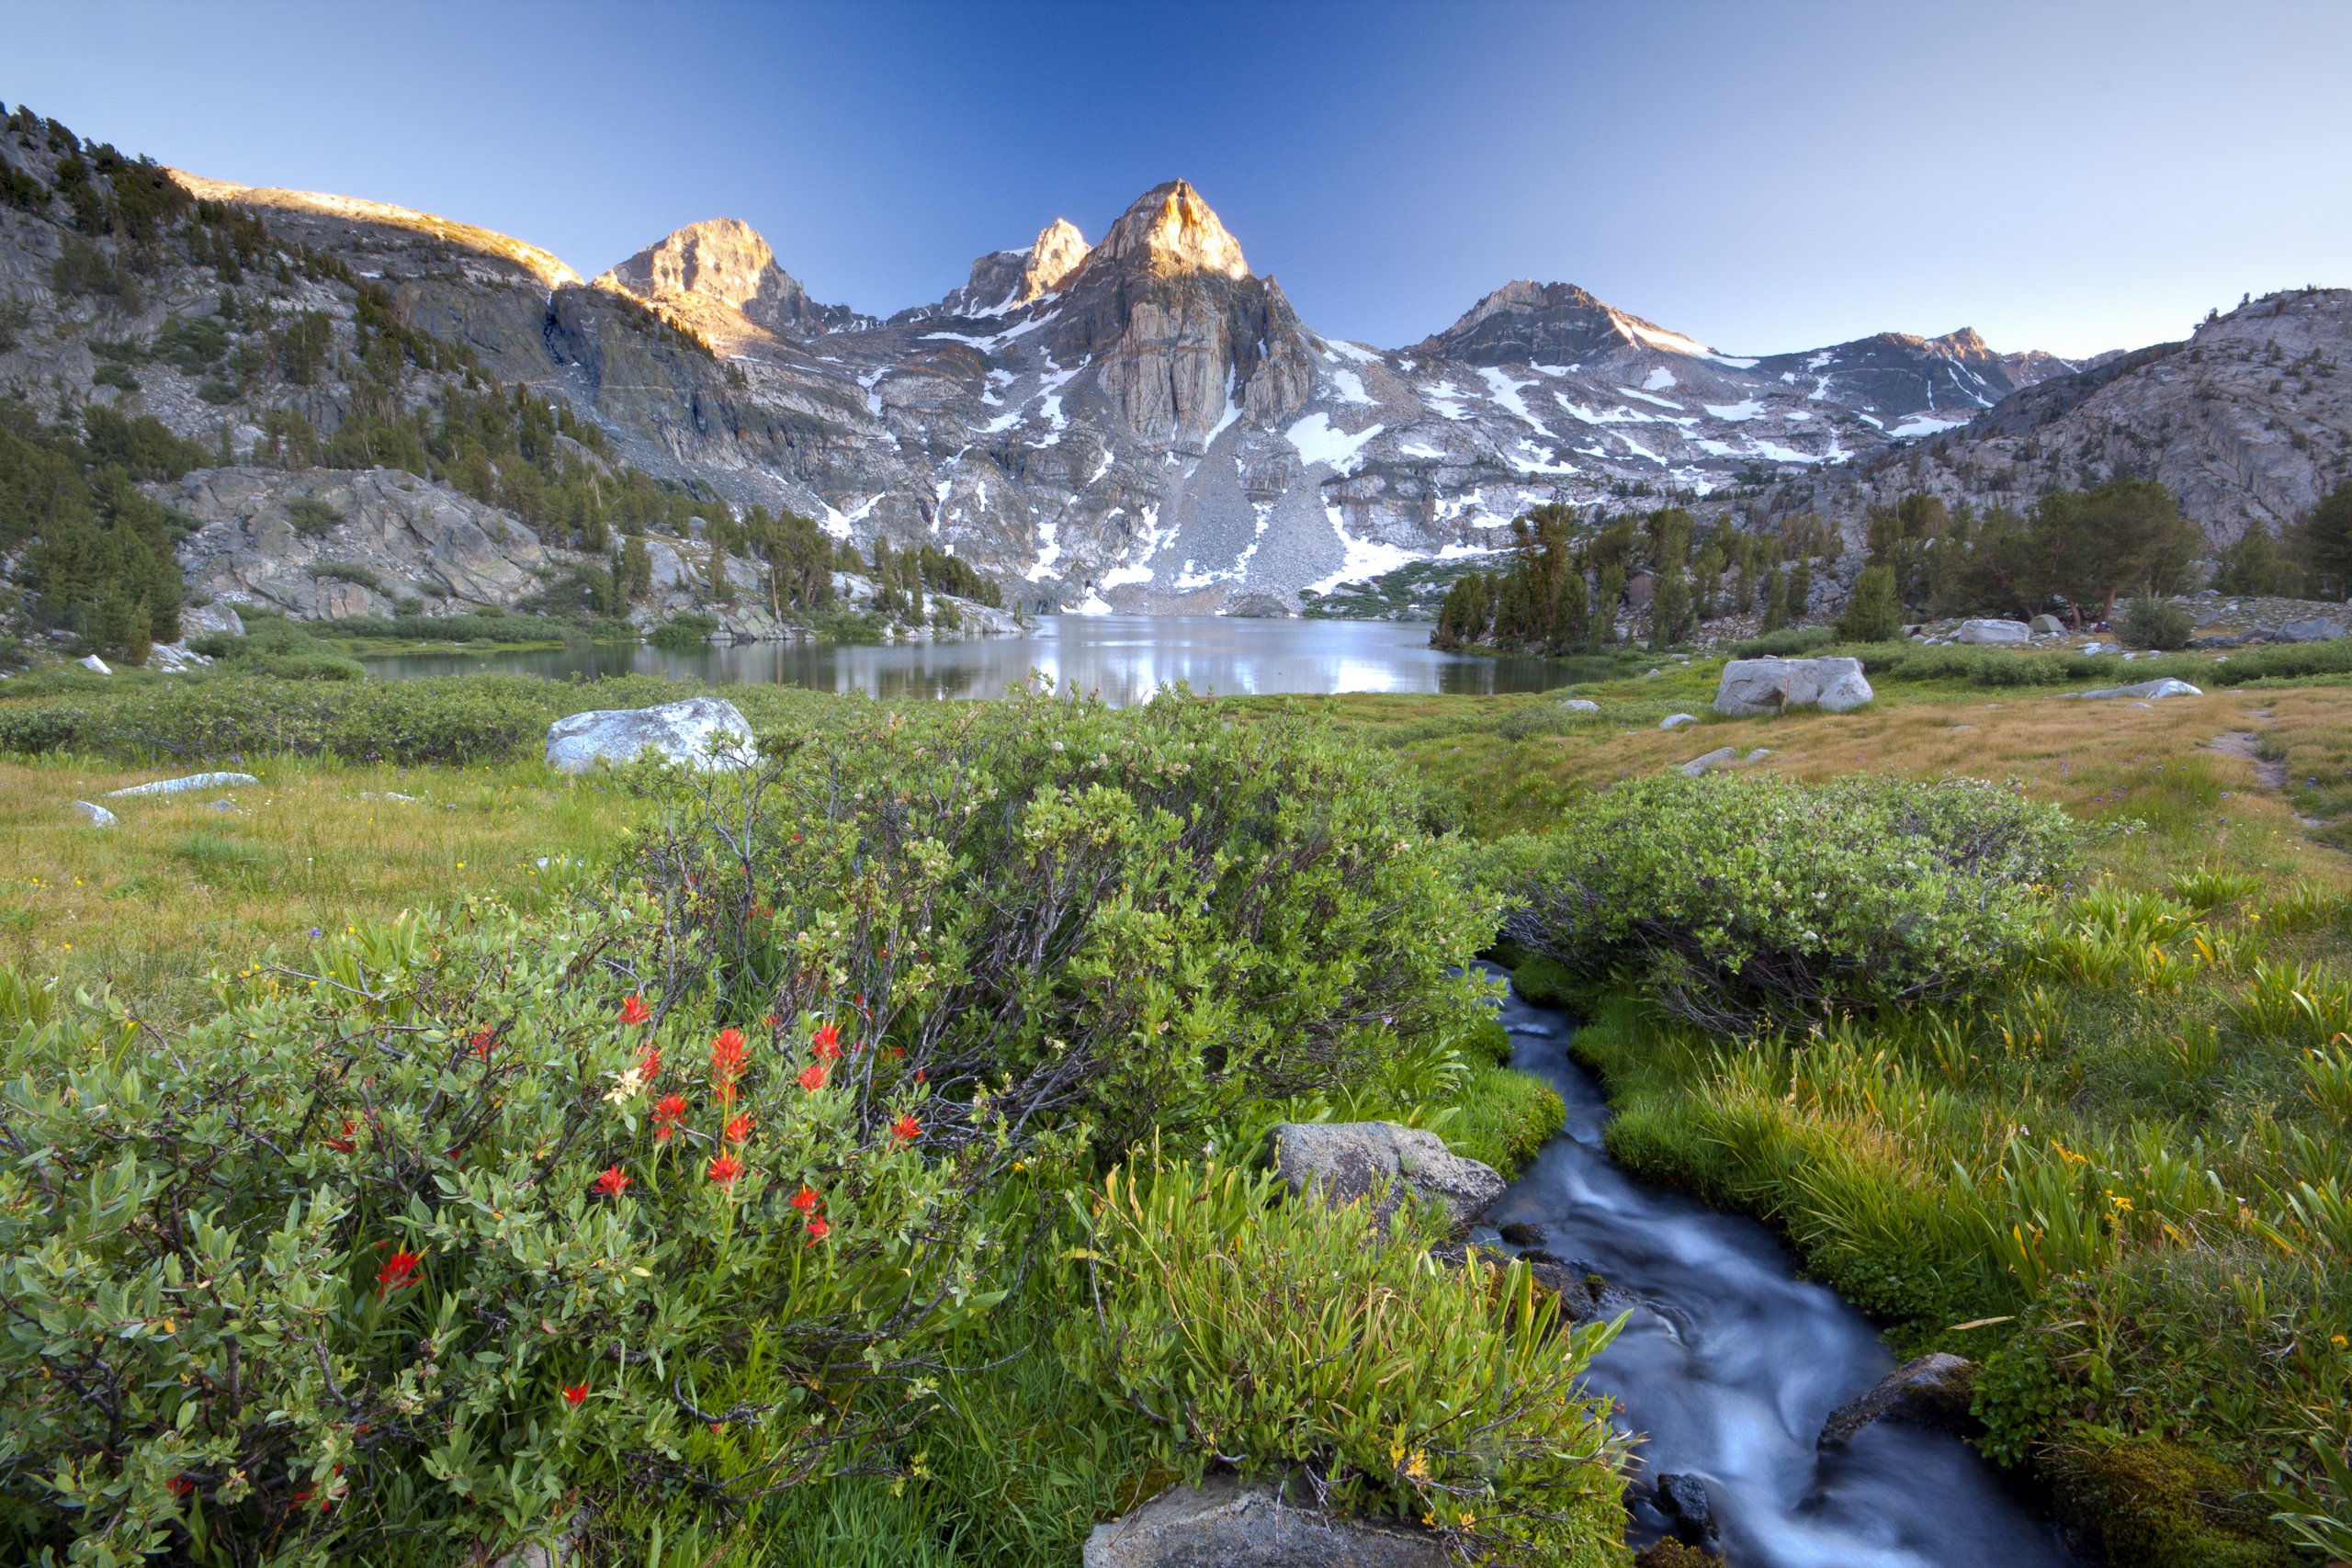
{"x":627,"y":1087}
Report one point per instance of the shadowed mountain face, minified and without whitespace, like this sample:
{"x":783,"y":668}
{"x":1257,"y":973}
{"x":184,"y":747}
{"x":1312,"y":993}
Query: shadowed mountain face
{"x":1145,"y":423}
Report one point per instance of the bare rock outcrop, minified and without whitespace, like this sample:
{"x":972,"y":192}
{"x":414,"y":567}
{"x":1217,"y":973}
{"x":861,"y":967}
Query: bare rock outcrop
{"x":1223,"y":1524}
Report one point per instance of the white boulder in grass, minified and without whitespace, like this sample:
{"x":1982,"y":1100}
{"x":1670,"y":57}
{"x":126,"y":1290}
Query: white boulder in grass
{"x":1676,"y":720}
{"x":182,"y":786}
{"x":1994,"y":633}
{"x":96,"y":816}
{"x":2166,"y":687}
{"x":688,"y":733}
{"x":1752,"y":686}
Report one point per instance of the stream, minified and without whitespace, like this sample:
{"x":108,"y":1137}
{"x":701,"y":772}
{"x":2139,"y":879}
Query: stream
{"x":1733,"y":1362}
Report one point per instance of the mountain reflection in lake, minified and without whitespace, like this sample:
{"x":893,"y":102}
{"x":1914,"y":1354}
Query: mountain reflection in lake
{"x":1124,"y":658}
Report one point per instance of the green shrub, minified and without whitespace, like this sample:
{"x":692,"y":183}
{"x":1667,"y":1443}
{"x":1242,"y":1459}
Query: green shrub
{"x":1737,"y":901}
{"x":310,"y":516}
{"x":348,"y":571}
{"x":2155,"y":622}
{"x":1487,"y":1041}
{"x":1289,"y":1335}
{"x":116,"y":376}
{"x":1874,"y":613}
{"x":337,"y":714}
{"x":1150,"y":910}
{"x":412,"y":1248}
{"x":685,"y":631}
{"x":1787,"y":643}
{"x":1546,"y":982}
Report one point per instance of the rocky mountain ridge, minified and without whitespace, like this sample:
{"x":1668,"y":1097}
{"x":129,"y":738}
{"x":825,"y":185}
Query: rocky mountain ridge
{"x":1147,"y":424}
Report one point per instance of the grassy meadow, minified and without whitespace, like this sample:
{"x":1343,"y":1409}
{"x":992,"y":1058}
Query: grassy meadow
{"x":2110,"y":1168}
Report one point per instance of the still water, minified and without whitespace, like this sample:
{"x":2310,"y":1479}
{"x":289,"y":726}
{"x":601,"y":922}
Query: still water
{"x":1124,"y":658}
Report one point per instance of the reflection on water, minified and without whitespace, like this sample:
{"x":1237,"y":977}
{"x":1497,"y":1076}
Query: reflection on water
{"x":1124,"y":658}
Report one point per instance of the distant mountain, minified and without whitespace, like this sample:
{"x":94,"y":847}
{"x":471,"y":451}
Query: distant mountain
{"x":2248,"y":421}
{"x":1146,"y":423}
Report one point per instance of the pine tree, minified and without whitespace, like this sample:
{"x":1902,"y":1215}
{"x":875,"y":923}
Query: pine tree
{"x":1776,"y":599}
{"x":1670,"y":609}
{"x":2324,"y":541}
{"x":1800,"y":587}
{"x":1874,"y":613}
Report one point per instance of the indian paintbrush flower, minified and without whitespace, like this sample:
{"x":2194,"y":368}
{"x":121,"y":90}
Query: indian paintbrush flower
{"x":612,"y":1183}
{"x":725,"y":1168}
{"x":399,"y":1270}
{"x":634,"y":1010}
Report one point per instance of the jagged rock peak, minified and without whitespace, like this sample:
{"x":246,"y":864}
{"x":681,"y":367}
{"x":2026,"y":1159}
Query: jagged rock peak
{"x":1171,"y":229}
{"x":725,"y":262}
{"x":1528,"y":322}
{"x":722,"y":259}
{"x":1006,"y":280}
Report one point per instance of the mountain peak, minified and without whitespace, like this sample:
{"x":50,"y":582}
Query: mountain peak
{"x":724,"y":261}
{"x":1529,"y":322}
{"x":1171,"y":229}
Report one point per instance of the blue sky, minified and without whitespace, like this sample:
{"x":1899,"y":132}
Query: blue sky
{"x":1765,"y":177}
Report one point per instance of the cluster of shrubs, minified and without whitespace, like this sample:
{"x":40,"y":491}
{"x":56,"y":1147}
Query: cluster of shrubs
{"x":859,"y":1159}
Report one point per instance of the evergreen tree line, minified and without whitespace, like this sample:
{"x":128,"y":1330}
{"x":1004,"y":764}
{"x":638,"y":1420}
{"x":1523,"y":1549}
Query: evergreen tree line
{"x":1569,"y":580}
{"x":2077,"y":554}
{"x":97,"y":552}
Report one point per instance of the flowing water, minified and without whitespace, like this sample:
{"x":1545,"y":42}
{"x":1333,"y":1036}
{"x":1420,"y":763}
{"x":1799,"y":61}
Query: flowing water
{"x":1731,"y":1364}
{"x":1125,"y":657}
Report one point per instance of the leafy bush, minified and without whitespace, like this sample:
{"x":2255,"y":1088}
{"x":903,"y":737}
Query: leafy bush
{"x":310,"y":516}
{"x":685,"y":631}
{"x":1294,"y":1337}
{"x":418,"y":1243}
{"x":2155,"y":622}
{"x":1151,"y":911}
{"x":1736,"y":901}
{"x":1787,"y":643}
{"x":334,"y":713}
{"x":348,"y":571}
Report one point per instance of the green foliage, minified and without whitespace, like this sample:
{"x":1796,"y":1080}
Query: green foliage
{"x":1294,"y":1338}
{"x":2324,"y":542}
{"x":2078,"y":550}
{"x":685,"y":631}
{"x":1735,"y":901}
{"x":1791,"y":643}
{"x":97,"y":552}
{"x":1503,"y":1117}
{"x":312,"y":516}
{"x":2149,"y":1500}
{"x":401,"y":1260}
{"x":1873,"y":614}
{"x":2155,"y":622}
{"x":457,"y":719}
{"x":2254,"y":565}
{"x":1150,"y":911}
{"x":349,"y":572}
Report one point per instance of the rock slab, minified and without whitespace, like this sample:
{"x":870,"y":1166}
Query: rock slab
{"x":1995,"y":634}
{"x":686,"y":733}
{"x":1933,"y":1391}
{"x":1752,"y":686}
{"x":94,"y":814}
{"x":1222,"y":1523}
{"x":1715,"y":758}
{"x":1341,"y":1162}
{"x":182,"y":786}
{"x":2166,"y":687}
{"x":2311,"y":628}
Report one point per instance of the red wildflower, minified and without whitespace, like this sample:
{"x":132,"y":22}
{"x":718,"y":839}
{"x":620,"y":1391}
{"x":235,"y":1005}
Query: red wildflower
{"x":345,"y":1144}
{"x":397,"y":1271}
{"x":181,"y":1485}
{"x":725,"y":1168}
{"x":921,"y":1077}
{"x":827,"y":1042}
{"x":812,"y":1078}
{"x":769,"y":1018}
{"x":667,"y":1111}
{"x":806,"y":1198}
{"x":817,"y":1230}
{"x":726,"y":1052}
{"x":649,"y":1063}
{"x":482,"y":1043}
{"x":634,"y":1010}
{"x":906,"y":1129}
{"x":576,"y":1393}
{"x":612,"y":1182}
{"x":739,"y":1129}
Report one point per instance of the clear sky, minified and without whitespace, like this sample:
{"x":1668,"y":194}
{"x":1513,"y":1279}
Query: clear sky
{"x":1765,"y":177}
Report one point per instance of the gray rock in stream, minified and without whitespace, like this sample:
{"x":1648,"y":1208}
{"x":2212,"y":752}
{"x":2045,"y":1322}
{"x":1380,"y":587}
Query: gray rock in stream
{"x":1341,"y":1162}
{"x":1933,"y":1391}
{"x":1683,"y":1500}
{"x":1222,"y":1523}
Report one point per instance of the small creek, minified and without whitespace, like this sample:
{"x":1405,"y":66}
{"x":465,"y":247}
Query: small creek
{"x":1733,"y":1362}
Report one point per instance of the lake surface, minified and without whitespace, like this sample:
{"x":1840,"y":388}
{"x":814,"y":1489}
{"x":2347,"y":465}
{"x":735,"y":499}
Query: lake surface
{"x":1124,"y":658}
